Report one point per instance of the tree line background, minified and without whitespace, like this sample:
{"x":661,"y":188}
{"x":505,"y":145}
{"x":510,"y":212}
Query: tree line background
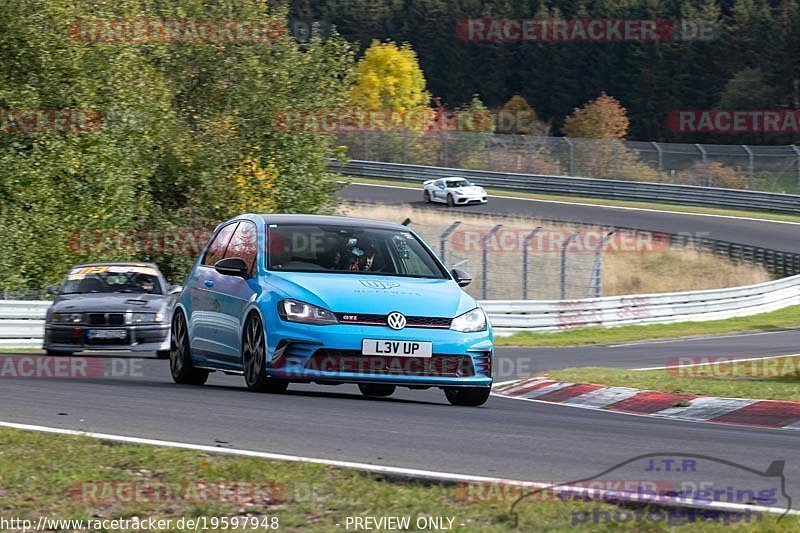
{"x":753,"y":61}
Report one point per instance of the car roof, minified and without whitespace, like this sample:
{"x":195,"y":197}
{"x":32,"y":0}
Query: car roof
{"x":117,"y":263}
{"x":333,"y":220}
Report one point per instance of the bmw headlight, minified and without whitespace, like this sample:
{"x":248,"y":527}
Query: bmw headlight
{"x":67,"y":318}
{"x":296,"y":311}
{"x":141,"y":318}
{"x":470,"y":321}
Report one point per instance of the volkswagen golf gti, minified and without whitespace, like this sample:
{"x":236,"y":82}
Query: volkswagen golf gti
{"x":286,"y":299}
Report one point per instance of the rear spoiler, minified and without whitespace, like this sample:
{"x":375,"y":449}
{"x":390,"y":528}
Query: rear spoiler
{"x":427,"y":182}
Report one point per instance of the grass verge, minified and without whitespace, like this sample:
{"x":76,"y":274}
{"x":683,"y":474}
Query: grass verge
{"x":764,"y":215}
{"x":768,"y":379}
{"x":775,"y":320}
{"x":42,"y":474}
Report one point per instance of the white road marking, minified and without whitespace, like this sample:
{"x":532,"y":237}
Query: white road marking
{"x":409,"y":472}
{"x":547,"y":388}
{"x":699,"y":338}
{"x":603,"y":397}
{"x":717,"y":360}
{"x":705,"y":408}
{"x":584,"y":204}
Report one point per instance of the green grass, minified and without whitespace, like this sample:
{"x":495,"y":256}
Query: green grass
{"x":764,"y":215}
{"x":781,"y":319}
{"x":41,"y":474}
{"x":772,"y":379}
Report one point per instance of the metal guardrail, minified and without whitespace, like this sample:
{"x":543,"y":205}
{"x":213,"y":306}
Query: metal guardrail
{"x":590,"y":187}
{"x":22,"y":322}
{"x":510,"y":316}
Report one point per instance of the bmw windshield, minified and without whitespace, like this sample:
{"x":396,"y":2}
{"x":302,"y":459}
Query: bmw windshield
{"x":350,"y":250}
{"x":110,"y":279}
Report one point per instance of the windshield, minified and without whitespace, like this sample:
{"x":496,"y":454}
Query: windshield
{"x":458,"y":183}
{"x":110,"y":279}
{"x":349,"y":250}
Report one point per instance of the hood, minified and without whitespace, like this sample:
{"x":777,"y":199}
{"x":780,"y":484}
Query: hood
{"x":472,"y":189}
{"x":370,"y":294}
{"x":110,"y":302}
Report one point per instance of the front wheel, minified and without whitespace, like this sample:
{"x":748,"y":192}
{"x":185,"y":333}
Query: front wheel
{"x":450,"y":201}
{"x":254,"y":360}
{"x":468,"y":396}
{"x":180,"y":359}
{"x":377,"y":390}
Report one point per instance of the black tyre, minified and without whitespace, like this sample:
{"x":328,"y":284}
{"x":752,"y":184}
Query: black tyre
{"x":468,"y":396}
{"x":377,"y":390}
{"x":450,"y":201}
{"x":163,"y":354}
{"x":180,"y":361}
{"x":427,"y":197}
{"x":58,"y":353}
{"x":254,"y":359}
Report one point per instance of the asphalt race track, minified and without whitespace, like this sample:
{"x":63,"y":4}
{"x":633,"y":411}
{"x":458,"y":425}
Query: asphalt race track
{"x":775,"y":235}
{"x":506,"y":438}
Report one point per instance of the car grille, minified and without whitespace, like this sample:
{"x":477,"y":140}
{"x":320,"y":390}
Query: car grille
{"x":353,"y":361}
{"x":106,"y":319}
{"x":380,"y":320}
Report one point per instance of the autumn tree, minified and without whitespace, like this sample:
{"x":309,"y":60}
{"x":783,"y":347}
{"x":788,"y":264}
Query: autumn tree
{"x":389,"y":77}
{"x":602,"y":118}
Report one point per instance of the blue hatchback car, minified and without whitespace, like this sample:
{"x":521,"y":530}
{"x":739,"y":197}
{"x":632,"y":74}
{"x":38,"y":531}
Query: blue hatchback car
{"x":330,"y":300}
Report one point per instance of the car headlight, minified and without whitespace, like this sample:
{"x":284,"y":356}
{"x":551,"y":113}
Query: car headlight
{"x":296,"y":311}
{"x":140,"y":318}
{"x":67,"y":318}
{"x":474,"y":320}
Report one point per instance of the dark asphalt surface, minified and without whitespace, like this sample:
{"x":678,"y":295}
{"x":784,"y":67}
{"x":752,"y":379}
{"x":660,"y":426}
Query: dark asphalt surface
{"x":415,"y":429}
{"x":774,"y":235}
{"x":418,"y":429}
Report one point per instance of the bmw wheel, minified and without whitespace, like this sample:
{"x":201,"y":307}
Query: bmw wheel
{"x":180,"y":360}
{"x":254,"y":359}
{"x":468,"y":396}
{"x":450,"y":201}
{"x":377,"y":390}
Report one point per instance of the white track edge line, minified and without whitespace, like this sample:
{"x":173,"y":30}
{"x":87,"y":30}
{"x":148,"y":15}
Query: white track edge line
{"x":728,"y":361}
{"x":411,"y":472}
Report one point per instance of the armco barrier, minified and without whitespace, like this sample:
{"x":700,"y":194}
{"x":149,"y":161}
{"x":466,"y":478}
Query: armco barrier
{"x":590,"y":187}
{"x":554,"y":315}
{"x":22,"y":324}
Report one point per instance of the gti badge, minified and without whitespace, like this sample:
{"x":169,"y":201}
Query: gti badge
{"x":371,"y":284}
{"x":396,"y":320}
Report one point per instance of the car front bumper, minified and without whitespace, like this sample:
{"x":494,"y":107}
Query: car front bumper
{"x":463,"y":200}
{"x":139,"y":338}
{"x":302,"y":352}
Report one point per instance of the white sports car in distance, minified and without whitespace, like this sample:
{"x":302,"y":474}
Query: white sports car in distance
{"x":453,"y":191}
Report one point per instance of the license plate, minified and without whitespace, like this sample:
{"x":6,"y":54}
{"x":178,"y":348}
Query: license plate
{"x":396,"y":348}
{"x":107,"y":334}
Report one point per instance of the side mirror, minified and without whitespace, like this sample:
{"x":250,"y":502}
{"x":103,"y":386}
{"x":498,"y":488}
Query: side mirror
{"x":232,"y":266}
{"x":174,"y":289}
{"x":462,"y":278}
{"x":52,"y":289}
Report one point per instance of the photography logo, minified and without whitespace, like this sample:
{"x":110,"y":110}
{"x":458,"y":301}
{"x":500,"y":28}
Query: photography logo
{"x":673,"y":489}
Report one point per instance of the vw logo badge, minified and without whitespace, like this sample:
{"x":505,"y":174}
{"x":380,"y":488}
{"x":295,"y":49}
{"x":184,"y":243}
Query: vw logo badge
{"x":396,"y":320}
